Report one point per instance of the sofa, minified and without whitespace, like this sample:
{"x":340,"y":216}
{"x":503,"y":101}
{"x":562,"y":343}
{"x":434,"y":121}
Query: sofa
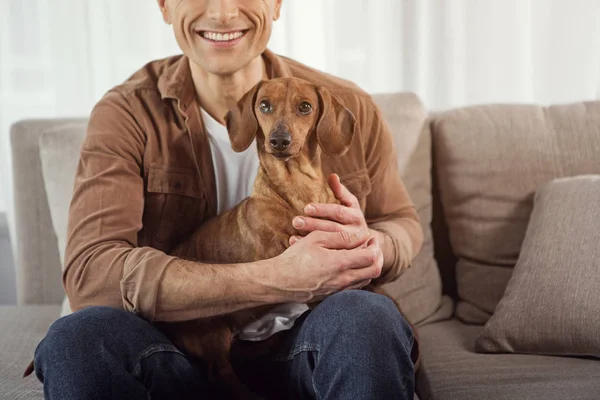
{"x":476,"y":175}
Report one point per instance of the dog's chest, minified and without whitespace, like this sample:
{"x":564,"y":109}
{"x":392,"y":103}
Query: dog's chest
{"x":272,"y":207}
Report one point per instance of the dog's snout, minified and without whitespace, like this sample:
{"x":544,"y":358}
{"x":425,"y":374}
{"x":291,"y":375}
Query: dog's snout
{"x":280,"y":140}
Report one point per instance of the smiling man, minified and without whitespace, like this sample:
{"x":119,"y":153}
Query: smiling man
{"x":155,"y":164}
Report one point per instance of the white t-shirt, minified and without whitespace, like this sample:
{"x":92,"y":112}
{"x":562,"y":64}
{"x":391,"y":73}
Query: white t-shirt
{"x":235,"y":174}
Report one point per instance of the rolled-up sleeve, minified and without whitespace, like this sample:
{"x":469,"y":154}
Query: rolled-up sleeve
{"x":103,"y":263}
{"x":389,"y":208}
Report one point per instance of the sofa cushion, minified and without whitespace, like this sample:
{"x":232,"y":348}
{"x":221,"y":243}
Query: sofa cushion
{"x":451,"y":369}
{"x":490,"y":160}
{"x":552,"y":302}
{"x":21,"y":329}
{"x":59,"y":155}
{"x":419,"y":289}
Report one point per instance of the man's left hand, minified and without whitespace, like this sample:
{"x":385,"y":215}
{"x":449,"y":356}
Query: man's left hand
{"x":345,"y":217}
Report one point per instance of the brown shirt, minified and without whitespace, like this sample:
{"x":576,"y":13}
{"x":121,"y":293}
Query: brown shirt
{"x":145,"y":181}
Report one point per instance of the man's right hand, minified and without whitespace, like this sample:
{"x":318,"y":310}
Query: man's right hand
{"x":323,"y":263}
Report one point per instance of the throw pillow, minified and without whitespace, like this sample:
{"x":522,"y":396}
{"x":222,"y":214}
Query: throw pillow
{"x":552,"y":302}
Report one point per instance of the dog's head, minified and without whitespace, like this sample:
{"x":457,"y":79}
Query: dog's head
{"x":284,"y":113}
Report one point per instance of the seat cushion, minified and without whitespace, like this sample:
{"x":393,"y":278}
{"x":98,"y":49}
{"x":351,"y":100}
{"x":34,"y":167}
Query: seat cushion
{"x":21,"y":329}
{"x":451,"y":369}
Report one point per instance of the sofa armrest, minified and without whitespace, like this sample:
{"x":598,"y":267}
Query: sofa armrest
{"x":37,"y":253}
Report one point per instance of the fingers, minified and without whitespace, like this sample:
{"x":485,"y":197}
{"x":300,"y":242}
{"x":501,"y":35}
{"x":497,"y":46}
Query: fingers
{"x":359,"y":278}
{"x":358,"y":258}
{"x":341,"y":192}
{"x":314,"y":224}
{"x":362,"y":257}
{"x":340,"y":240}
{"x":334,"y":212}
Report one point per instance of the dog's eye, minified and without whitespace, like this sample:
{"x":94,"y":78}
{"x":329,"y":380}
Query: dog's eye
{"x":265,"y":106}
{"x":305,"y":107}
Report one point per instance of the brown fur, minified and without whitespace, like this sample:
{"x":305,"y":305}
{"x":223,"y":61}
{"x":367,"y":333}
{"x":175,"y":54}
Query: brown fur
{"x":261,"y":225}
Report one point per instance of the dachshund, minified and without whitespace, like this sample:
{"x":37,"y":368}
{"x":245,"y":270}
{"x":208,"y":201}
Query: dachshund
{"x":292,"y":121}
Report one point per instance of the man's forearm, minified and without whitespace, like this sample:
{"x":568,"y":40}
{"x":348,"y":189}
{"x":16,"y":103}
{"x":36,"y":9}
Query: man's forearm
{"x":190,"y":290}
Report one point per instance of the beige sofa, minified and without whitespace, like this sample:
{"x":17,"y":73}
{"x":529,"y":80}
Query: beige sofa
{"x":473,"y":173}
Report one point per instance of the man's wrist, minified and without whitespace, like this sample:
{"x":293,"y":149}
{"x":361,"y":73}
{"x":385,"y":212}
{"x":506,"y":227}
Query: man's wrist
{"x":264,"y":284}
{"x":387,"y":248}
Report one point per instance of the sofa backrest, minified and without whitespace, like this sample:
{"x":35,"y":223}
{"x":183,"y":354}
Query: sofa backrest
{"x":36,"y":251}
{"x":488,"y":162}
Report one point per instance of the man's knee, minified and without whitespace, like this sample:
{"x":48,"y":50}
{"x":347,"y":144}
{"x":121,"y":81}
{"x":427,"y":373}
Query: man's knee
{"x":361,"y":305}
{"x":81,"y":329}
{"x":91,"y":320}
{"x":361,"y":322}
{"x":365,"y":314}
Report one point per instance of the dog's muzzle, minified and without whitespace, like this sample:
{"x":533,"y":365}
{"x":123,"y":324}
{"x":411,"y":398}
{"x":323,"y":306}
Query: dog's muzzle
{"x":280,"y":140}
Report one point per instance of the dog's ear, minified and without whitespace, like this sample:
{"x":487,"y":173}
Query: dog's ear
{"x":241,"y":121}
{"x":336,"y":125}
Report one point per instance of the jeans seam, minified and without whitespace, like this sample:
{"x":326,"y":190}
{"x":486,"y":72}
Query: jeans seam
{"x":152,"y":350}
{"x":299,"y":349}
{"x":305,"y":347}
{"x":312,"y":378}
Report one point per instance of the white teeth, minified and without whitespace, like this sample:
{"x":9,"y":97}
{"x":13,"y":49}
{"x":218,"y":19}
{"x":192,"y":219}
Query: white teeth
{"x":220,"y":37}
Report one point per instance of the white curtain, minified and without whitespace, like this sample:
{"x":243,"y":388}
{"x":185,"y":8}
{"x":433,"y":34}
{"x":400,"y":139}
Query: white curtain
{"x":58,"y":57}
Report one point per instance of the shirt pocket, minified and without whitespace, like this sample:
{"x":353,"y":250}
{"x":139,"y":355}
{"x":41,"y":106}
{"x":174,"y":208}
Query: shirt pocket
{"x":175,"y":205}
{"x":359,"y":184}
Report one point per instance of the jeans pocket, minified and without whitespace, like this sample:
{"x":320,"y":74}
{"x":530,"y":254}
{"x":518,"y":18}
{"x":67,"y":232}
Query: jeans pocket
{"x":155,"y":348}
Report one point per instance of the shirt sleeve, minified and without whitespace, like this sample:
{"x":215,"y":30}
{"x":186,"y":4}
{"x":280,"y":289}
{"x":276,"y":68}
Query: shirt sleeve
{"x":389,"y":208}
{"x":104,"y":266}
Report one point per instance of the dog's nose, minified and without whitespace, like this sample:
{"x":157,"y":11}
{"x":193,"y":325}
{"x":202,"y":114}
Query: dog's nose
{"x":280,"y":140}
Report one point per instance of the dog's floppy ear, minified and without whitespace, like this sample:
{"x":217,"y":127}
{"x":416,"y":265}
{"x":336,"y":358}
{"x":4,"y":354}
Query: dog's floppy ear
{"x":336,"y":124}
{"x":241,"y":121}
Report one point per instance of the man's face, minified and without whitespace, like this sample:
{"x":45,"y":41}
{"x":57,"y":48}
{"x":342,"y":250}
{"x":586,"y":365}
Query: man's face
{"x":221,"y":36}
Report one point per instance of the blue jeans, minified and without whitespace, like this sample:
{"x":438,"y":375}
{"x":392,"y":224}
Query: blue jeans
{"x":354,"y":345}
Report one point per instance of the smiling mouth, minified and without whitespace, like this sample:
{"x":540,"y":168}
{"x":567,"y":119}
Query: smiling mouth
{"x":220,"y":37}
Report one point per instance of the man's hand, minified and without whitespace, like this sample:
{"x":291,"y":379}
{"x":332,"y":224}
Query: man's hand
{"x":339,"y":251}
{"x":323,"y":263}
{"x":346,"y":217}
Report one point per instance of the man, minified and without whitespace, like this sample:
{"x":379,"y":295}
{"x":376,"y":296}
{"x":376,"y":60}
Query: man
{"x":154,"y":166}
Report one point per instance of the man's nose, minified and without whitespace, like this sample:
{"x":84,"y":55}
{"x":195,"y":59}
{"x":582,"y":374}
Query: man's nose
{"x":280,"y":139}
{"x":222,"y":10}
